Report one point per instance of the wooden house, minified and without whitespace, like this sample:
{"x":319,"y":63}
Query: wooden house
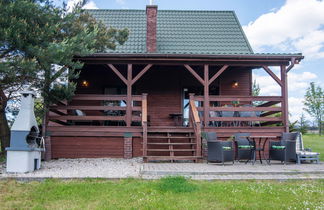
{"x":180,"y":73}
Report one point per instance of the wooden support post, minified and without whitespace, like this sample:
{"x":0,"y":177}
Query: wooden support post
{"x":206,"y":82}
{"x":206,"y":95}
{"x":129,"y":95}
{"x":144,"y":123}
{"x":48,"y":146}
{"x":284,"y":94}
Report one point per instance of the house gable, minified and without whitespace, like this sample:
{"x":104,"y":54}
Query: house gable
{"x":179,"y":31}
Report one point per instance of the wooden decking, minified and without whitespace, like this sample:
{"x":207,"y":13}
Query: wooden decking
{"x":106,"y":123}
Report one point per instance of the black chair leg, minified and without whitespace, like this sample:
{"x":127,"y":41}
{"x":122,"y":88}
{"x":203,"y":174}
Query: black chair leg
{"x":254,"y":157}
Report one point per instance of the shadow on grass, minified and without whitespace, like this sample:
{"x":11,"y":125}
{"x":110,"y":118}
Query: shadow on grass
{"x":175,"y":184}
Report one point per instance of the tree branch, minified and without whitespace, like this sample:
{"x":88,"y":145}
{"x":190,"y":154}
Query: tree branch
{"x":58,"y":73}
{"x":3,"y":96}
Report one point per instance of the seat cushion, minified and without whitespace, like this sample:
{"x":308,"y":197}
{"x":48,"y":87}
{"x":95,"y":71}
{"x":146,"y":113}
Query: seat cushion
{"x":245,"y":146}
{"x":306,"y":153}
{"x":278,"y":147}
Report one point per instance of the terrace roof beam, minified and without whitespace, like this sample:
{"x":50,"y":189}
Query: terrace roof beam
{"x":272,"y":75}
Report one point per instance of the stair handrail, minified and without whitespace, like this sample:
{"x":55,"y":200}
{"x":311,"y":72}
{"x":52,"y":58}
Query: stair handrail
{"x":144,"y":123}
{"x":195,"y":121}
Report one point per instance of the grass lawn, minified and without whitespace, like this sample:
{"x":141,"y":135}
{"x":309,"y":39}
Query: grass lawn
{"x":316,"y":143}
{"x":167,"y":193}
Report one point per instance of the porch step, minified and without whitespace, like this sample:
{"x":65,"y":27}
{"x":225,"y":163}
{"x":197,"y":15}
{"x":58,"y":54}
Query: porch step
{"x":167,"y":129}
{"x":171,"y":143}
{"x":158,"y":143}
{"x":149,"y":158}
{"x":170,"y":137}
{"x":171,"y":150}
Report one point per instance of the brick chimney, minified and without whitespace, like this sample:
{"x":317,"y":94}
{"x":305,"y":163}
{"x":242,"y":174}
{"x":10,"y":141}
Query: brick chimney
{"x":151,"y":22}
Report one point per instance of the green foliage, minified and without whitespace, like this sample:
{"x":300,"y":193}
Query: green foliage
{"x":204,"y":135}
{"x":256,"y":92}
{"x":40,"y":41}
{"x":39,"y":111}
{"x":302,"y":124}
{"x":39,"y":46}
{"x":142,"y":194}
{"x":175,"y":184}
{"x":292,"y":126}
{"x":255,"y":89}
{"x":314,"y":103}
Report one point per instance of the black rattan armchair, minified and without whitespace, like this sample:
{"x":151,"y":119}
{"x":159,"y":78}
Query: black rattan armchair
{"x":285,"y":149}
{"x":245,"y":148}
{"x":219,"y":151}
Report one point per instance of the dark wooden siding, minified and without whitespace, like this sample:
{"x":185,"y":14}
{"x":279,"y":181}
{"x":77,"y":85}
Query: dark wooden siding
{"x":242,"y":76}
{"x":87,"y":147}
{"x":164,"y":94}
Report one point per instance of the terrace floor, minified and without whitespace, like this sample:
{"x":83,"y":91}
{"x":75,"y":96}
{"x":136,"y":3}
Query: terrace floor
{"x":135,"y":168}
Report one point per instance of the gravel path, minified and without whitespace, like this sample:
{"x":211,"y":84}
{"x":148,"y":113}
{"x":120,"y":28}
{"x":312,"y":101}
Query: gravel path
{"x":83,"y":168}
{"x":123,"y":168}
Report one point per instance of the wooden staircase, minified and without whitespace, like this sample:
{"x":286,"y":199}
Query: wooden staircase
{"x":171,"y":144}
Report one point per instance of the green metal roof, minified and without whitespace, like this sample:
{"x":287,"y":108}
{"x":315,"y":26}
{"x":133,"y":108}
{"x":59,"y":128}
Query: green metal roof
{"x":179,"y":31}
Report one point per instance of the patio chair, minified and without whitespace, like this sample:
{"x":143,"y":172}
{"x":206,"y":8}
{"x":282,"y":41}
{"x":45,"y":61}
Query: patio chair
{"x":78,"y":112}
{"x":250,"y":114}
{"x":257,"y":114}
{"x":219,"y":151}
{"x":285,"y":149}
{"x":228,"y":114}
{"x":215,"y":123}
{"x":245,"y":148}
{"x":305,"y":153}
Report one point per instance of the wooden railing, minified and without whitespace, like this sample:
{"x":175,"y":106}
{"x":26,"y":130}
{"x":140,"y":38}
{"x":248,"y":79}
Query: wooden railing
{"x":196,"y":123}
{"x":144,"y":123}
{"x":94,"y":109}
{"x":266,"y":110}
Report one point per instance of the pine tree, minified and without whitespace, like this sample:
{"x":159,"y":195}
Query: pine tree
{"x":38,"y":44}
{"x":302,"y":124}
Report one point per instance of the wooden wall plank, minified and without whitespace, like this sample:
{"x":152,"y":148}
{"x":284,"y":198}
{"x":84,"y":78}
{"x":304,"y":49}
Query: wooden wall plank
{"x":87,"y":147}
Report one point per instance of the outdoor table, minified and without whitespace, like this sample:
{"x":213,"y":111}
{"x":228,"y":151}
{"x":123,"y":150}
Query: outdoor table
{"x":258,"y":147}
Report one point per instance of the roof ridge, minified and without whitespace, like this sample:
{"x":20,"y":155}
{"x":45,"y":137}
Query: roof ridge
{"x":166,"y":10}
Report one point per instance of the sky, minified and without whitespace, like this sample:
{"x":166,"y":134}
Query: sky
{"x":276,"y":26}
